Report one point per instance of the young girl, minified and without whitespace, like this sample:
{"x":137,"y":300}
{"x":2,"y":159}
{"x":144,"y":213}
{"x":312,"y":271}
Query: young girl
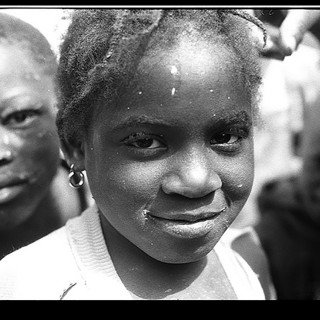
{"x":35,"y":197}
{"x":158,"y":107}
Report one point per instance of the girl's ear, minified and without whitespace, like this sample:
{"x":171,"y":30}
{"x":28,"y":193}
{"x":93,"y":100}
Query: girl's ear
{"x":74,"y":154}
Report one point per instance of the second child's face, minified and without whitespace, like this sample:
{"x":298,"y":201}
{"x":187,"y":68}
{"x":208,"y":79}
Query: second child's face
{"x":29,"y":143}
{"x":171,"y":165}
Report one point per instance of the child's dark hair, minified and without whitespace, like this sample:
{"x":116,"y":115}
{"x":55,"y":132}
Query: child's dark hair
{"x":103,"y":47}
{"x":18,"y":32}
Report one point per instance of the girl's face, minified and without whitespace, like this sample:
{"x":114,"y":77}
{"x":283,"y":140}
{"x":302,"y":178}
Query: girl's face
{"x":29,"y":145}
{"x":171,"y":165}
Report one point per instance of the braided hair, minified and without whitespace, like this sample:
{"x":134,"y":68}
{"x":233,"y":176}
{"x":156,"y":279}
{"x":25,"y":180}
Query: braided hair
{"x":103,"y":47}
{"x":18,"y":32}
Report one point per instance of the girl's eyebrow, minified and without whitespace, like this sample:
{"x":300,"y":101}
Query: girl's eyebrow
{"x":241,"y":117}
{"x":133,"y":121}
{"x":238,"y":117}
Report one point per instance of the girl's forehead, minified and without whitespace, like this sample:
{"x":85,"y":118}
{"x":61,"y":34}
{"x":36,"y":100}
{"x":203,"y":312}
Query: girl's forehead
{"x":189,"y":55}
{"x":182,"y":81}
{"x":199,"y":64}
{"x":187,"y":46}
{"x":191,"y":72}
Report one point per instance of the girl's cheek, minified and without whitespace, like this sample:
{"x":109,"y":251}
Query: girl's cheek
{"x":239,"y":182}
{"x":142,"y":180}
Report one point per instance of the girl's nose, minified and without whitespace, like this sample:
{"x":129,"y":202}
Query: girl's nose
{"x":194,"y":177}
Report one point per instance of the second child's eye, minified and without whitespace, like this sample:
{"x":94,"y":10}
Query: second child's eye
{"x":20,"y":118}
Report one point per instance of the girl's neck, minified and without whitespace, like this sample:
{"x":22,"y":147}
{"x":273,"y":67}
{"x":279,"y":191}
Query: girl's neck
{"x":147,"y":278}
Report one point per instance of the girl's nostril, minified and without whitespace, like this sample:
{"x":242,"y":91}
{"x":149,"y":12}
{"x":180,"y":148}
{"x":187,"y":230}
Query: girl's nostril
{"x":190,"y":185}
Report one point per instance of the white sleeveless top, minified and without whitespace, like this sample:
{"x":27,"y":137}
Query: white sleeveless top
{"x":73,"y":263}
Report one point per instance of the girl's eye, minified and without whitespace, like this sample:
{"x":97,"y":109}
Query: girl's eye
{"x":147,"y":143}
{"x":143,"y":141}
{"x":20,"y":118}
{"x":225,"y":138}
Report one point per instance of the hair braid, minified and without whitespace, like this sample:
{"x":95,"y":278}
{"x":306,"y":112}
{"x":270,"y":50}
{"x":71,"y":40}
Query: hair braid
{"x":243,"y":14}
{"x":117,"y":27}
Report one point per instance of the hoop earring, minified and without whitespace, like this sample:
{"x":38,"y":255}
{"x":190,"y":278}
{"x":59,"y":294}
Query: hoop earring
{"x":76,"y":179}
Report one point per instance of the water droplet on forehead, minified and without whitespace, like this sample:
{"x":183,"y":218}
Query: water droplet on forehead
{"x":174,"y":70}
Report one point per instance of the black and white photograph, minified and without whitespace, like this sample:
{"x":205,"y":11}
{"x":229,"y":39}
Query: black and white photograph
{"x":155,"y":152}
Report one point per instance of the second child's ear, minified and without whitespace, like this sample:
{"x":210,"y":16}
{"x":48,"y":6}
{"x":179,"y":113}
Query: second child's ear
{"x":73,"y":152}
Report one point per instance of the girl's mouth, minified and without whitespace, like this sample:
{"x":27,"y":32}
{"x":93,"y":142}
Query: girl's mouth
{"x":187,"y":226}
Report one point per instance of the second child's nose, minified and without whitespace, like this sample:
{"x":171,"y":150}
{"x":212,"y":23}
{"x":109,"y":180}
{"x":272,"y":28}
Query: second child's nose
{"x":194,"y":177}
{"x":6,"y":154}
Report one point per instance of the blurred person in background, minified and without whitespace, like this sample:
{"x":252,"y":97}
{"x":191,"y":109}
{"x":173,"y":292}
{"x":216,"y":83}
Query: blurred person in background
{"x":35,"y":197}
{"x":285,"y":77}
{"x":288,"y":214}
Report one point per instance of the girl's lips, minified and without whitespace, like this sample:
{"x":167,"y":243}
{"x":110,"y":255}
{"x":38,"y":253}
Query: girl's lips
{"x":186,"y":228}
